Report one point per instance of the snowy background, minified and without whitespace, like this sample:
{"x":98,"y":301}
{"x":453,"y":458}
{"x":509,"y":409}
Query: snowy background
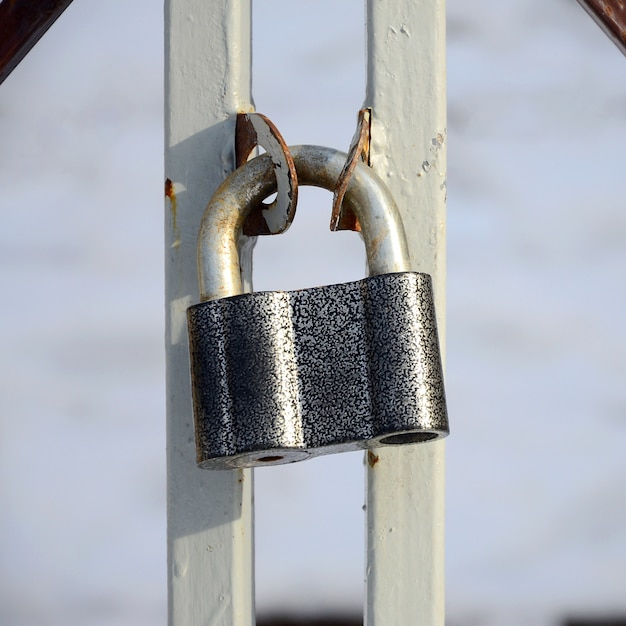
{"x":536,"y":514}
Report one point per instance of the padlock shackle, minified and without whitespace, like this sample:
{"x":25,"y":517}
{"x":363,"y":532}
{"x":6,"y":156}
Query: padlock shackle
{"x":219,"y":272}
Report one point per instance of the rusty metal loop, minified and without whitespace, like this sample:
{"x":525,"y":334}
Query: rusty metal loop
{"x":342,"y":218}
{"x":219,"y":239}
{"x":255,"y":129}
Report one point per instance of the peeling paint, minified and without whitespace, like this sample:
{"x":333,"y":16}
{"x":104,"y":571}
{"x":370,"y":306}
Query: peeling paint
{"x":438,"y":141}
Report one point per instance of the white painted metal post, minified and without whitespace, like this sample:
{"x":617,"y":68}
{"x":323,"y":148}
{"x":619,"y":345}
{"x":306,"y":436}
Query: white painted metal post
{"x":405,"y":486}
{"x":207,"y":65}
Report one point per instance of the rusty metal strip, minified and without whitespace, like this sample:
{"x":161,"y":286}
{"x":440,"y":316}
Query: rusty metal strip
{"x":22,"y":24}
{"x":343,"y":218}
{"x":610,"y":15}
{"x":252,"y":130}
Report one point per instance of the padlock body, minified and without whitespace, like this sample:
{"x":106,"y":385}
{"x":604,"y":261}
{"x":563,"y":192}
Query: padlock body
{"x":283,"y":376}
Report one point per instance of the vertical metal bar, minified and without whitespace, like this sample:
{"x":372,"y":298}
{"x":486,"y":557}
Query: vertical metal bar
{"x":207,"y":81}
{"x":405,"y":486}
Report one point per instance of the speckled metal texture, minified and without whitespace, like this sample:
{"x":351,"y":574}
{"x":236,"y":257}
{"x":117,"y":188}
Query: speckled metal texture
{"x":284,"y":376}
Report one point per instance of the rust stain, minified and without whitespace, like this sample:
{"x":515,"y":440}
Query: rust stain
{"x":169,"y":193}
{"x":375,"y":243}
{"x":245,"y":138}
{"x":372,"y":458}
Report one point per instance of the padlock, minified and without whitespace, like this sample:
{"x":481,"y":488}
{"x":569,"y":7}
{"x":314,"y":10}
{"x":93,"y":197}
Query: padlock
{"x":284,"y":376}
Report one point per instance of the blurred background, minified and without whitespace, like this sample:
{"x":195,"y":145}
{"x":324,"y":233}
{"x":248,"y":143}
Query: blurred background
{"x":536,"y":496}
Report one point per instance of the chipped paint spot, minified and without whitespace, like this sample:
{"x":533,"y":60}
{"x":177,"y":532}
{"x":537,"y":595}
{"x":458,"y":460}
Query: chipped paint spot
{"x":171,"y":194}
{"x":436,"y":144}
{"x":372,"y":458}
{"x":438,"y":141}
{"x":180,"y":568}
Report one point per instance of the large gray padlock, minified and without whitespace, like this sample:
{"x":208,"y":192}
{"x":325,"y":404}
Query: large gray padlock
{"x":279,"y":377}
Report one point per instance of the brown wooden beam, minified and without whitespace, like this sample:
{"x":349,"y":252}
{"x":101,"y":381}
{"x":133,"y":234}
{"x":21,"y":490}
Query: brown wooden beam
{"x":22,"y":24}
{"x":610,"y":15}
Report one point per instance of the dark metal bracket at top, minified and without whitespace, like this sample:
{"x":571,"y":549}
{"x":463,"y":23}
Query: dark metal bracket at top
{"x":610,"y":15}
{"x":22,"y":24}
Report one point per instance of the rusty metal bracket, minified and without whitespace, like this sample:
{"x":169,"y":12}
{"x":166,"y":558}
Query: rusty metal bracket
{"x":252,"y":130}
{"x":610,"y":15}
{"x":22,"y":24}
{"x":342,"y":218}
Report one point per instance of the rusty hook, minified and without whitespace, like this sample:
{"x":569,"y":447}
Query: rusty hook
{"x":252,"y":130}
